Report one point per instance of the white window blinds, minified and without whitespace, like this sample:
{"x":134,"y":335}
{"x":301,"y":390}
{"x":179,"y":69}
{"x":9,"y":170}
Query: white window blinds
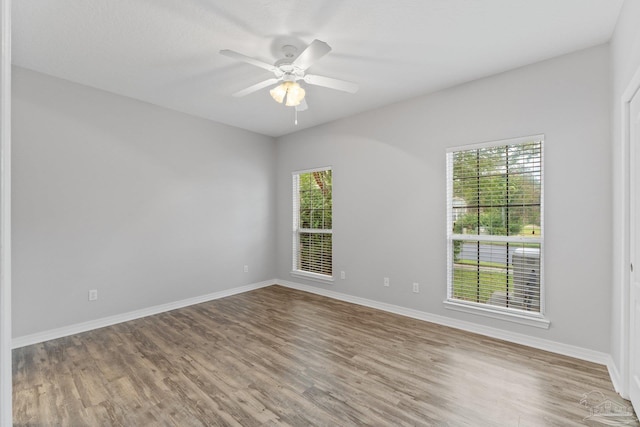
{"x":313,"y":222}
{"x":495,"y":225}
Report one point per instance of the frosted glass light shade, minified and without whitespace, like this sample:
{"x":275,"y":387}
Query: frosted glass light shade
{"x":278,"y":92}
{"x":295,"y":95}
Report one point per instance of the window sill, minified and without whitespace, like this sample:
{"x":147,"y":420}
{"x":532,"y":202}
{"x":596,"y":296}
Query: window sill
{"x":537,"y":321}
{"x":313,"y":276}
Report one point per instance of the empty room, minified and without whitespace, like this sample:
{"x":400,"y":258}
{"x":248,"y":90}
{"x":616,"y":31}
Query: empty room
{"x":330,"y":213}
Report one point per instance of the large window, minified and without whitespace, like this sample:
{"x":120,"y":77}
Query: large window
{"x":495,"y":226}
{"x":312,"y":223}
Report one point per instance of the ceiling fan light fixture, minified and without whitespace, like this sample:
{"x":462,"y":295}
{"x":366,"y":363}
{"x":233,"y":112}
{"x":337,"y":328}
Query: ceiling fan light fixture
{"x":289,"y":89}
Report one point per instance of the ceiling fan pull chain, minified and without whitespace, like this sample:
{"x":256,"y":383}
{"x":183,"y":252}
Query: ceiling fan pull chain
{"x":296,"y":116}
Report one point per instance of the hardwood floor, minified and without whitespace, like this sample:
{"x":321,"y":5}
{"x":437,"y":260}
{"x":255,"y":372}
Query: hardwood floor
{"x":277,"y":356}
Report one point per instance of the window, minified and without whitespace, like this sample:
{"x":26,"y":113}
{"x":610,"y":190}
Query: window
{"x":495,"y":227}
{"x":312,"y":223}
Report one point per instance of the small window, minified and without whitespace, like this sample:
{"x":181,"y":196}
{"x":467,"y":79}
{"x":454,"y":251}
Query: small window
{"x":495,"y":226}
{"x":313,"y":223}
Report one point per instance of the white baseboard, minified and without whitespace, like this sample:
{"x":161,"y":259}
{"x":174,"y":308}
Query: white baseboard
{"x":616,"y":378}
{"x":539,"y":343}
{"x":132,"y":315}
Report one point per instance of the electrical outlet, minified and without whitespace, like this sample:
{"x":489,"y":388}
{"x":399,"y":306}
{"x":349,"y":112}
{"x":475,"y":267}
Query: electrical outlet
{"x":416,"y":287}
{"x":386,"y":281}
{"x":93,"y":294}
{"x":246,"y":269}
{"x":343,"y":275}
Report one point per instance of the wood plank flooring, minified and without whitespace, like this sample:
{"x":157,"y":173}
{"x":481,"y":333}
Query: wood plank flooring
{"x":277,"y":356}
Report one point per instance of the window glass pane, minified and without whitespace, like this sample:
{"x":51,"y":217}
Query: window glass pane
{"x":497,"y":190}
{"x":315,"y":200}
{"x":315,"y":253}
{"x":501,"y":274}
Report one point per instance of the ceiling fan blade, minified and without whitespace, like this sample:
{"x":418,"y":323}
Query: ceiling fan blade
{"x":303,"y":106}
{"x":247,"y":59}
{"x":316,"y":50}
{"x":331,"y":83}
{"x":256,"y":87}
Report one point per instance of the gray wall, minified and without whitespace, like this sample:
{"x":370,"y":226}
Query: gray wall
{"x":389,"y":190}
{"x":146,"y":205}
{"x":625,"y":60}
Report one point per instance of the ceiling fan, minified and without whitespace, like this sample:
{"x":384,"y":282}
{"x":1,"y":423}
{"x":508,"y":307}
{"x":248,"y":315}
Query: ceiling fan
{"x":289,"y":70}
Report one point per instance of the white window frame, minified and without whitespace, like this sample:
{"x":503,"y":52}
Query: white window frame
{"x":297,"y":230}
{"x":536,"y":319}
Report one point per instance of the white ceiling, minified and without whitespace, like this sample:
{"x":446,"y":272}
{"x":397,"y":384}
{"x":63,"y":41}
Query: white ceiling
{"x":166,"y":51}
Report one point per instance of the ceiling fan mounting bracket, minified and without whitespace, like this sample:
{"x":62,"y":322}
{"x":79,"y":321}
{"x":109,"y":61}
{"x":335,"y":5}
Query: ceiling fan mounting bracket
{"x":289,"y":51}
